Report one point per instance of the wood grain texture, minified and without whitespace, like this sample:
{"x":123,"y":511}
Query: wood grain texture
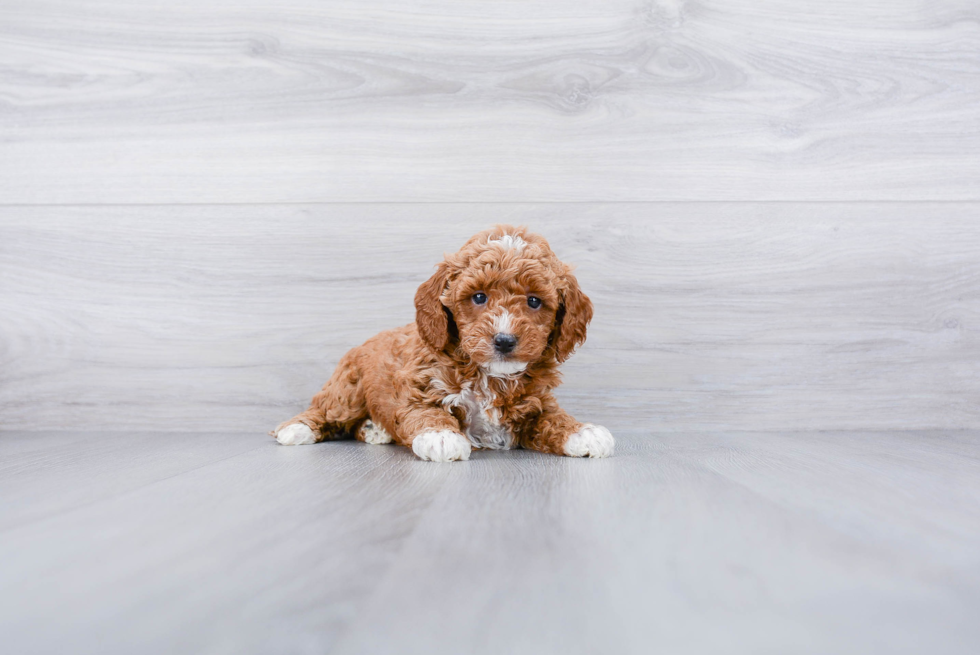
{"x":266,"y":549}
{"x":45,"y":475}
{"x":204,"y":205}
{"x":708,"y":316}
{"x":682,"y":543}
{"x":103,"y":101}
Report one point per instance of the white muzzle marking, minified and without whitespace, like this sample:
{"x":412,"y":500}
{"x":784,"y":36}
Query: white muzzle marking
{"x":504,"y":369}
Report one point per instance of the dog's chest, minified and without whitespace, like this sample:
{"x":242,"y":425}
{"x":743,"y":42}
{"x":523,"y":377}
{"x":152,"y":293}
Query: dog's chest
{"x":482,"y":420}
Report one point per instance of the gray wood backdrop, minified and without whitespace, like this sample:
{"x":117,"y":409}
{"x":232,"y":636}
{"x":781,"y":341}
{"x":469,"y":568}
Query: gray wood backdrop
{"x":773,"y":203}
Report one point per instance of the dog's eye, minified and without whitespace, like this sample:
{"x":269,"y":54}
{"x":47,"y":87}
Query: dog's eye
{"x":479,"y":298}
{"x":533,"y":302}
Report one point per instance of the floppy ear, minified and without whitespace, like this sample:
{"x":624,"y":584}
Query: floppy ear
{"x":571,"y":320}
{"x":431,"y":317}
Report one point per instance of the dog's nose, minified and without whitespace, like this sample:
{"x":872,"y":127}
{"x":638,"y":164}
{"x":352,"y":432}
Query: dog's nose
{"x":504,"y":343}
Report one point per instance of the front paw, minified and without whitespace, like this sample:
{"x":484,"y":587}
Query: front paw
{"x":590,"y":441}
{"x":295,"y":434}
{"x":441,"y":446}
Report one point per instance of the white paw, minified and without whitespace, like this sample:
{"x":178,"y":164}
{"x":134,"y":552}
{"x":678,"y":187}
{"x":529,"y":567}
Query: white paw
{"x":295,"y":434}
{"x":441,"y":446}
{"x":590,"y":441}
{"x":373,"y":434}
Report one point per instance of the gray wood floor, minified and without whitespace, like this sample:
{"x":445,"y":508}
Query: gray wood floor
{"x":774,"y":204}
{"x":812,"y":542}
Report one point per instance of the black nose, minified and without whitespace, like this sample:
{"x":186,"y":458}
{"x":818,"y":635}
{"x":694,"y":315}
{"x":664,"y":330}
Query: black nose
{"x":504,"y":343}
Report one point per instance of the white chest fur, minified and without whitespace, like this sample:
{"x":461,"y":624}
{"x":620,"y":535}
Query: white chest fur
{"x":481,"y":419}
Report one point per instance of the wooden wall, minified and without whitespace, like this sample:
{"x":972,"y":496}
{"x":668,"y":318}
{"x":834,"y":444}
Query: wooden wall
{"x":773,"y":203}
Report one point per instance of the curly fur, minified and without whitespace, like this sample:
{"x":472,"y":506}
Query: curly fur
{"x":442,"y":373}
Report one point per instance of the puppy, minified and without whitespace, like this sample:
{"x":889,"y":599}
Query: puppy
{"x":477,"y":367}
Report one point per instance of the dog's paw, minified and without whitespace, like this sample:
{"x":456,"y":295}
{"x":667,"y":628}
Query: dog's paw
{"x":441,"y":446}
{"x":373,"y":433}
{"x":590,"y":441}
{"x":296,"y":434}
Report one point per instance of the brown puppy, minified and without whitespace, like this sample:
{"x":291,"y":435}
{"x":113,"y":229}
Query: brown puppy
{"x":475,"y":369}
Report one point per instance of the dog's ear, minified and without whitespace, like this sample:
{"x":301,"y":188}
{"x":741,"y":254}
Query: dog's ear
{"x":431,"y":317}
{"x":571,"y":320}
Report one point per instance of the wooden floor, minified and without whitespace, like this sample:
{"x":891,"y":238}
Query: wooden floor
{"x":773,"y":204}
{"x":820,"y":542}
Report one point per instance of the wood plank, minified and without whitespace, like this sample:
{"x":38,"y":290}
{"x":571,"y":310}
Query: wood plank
{"x":104,"y":101}
{"x":43,"y":474}
{"x":709,"y":316}
{"x":805,"y":542}
{"x":695,"y":543}
{"x":266,"y":550}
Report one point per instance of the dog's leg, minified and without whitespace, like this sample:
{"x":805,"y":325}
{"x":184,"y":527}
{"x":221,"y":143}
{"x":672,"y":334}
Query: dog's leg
{"x":555,"y":431}
{"x":334,"y":412}
{"x":432,"y":433}
{"x":372,"y":433}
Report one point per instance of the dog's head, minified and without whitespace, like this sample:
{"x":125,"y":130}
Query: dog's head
{"x":505,"y":300}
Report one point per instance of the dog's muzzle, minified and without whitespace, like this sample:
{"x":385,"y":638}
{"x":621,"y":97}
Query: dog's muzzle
{"x":504,"y":343}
